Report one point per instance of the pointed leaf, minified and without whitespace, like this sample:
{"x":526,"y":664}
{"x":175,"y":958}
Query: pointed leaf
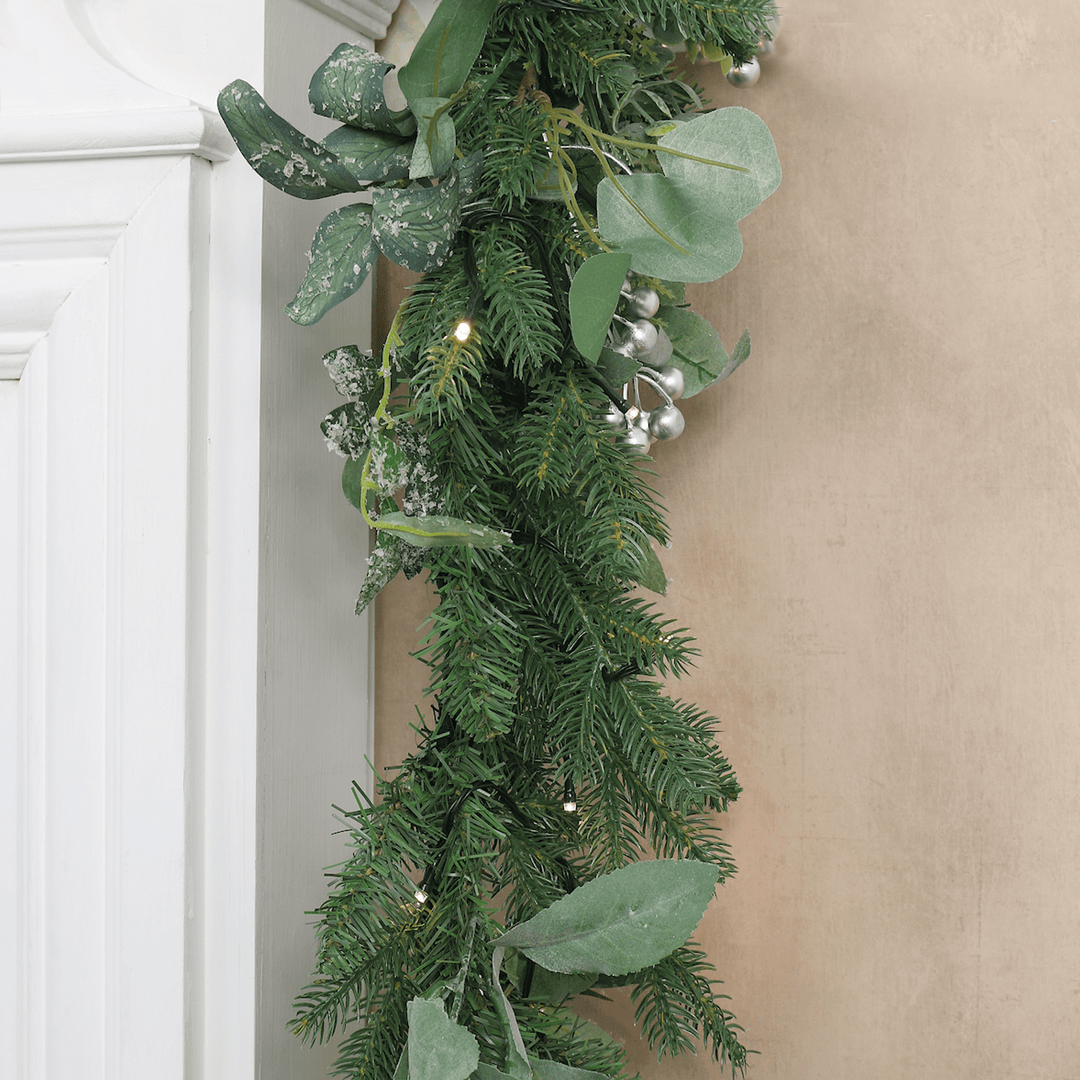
{"x":740,"y":353}
{"x":650,"y":572}
{"x":696,"y":348}
{"x":433,"y":152}
{"x":707,"y":238}
{"x":617,"y":367}
{"x":735,"y":136}
{"x":370,"y":155}
{"x":517,"y":1061}
{"x":349,"y":87}
{"x":555,"y":986}
{"x":623,"y":921}
{"x":342,"y":254}
{"x":278,"y":152}
{"x":436,"y":530}
{"x":415,"y":226}
{"x":443,"y":57}
{"x":439,"y":1048}
{"x":594,"y":295}
{"x":489,"y":1072}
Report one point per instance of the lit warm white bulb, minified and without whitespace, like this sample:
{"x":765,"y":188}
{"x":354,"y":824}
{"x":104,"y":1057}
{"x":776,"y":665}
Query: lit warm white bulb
{"x":463,"y":330}
{"x":421,"y":896}
{"x":570,"y":806}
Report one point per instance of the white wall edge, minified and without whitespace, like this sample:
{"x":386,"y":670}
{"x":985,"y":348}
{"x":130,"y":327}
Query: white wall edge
{"x":368,"y":17}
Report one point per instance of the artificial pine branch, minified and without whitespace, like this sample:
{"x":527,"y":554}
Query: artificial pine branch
{"x":554,"y":754}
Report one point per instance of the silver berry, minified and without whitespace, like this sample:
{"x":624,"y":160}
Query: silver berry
{"x":743,"y":75}
{"x":667,"y":422}
{"x":671,"y":381}
{"x":643,"y":337}
{"x":643,"y":302}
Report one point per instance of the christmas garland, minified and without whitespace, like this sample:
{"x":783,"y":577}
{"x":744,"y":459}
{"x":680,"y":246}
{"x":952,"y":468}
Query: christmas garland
{"x":555,"y":832}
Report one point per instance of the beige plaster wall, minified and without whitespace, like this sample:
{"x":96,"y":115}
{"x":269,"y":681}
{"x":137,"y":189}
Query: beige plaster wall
{"x":876,"y":541}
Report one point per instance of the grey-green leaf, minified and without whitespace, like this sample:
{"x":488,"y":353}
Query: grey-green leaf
{"x":348,"y":87}
{"x":436,"y":530}
{"x":439,"y":1048}
{"x":554,"y":986}
{"x":517,"y":1061}
{"x":740,"y":353}
{"x":436,"y":137}
{"x":696,"y":348}
{"x":370,"y":155}
{"x":703,"y":239}
{"x":594,"y":295}
{"x":545,"y":1069}
{"x":617,"y":367}
{"x":624,"y":921}
{"x":735,"y":136}
{"x":278,"y":152}
{"x":443,"y":57}
{"x":650,"y":572}
{"x":342,"y":254}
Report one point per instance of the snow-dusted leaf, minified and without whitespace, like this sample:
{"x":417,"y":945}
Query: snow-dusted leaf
{"x":278,"y":152}
{"x":370,"y":155}
{"x":443,"y":57}
{"x":415,"y":226}
{"x":342,"y":254}
{"x":349,"y":87}
{"x":623,"y":921}
{"x":436,"y":137}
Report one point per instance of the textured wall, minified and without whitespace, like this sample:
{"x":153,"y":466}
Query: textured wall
{"x":876,"y":541}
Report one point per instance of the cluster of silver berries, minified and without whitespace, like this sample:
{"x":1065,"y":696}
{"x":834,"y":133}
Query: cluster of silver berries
{"x":636,"y":336}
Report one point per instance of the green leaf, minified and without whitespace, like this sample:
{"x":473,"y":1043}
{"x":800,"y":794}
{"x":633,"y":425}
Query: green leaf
{"x":735,"y":136}
{"x":489,"y":1072}
{"x":415,"y":226}
{"x":626,"y":920}
{"x":443,"y":57}
{"x":370,"y":155}
{"x":517,"y":1061}
{"x":594,"y":295}
{"x":545,"y":1069}
{"x":278,"y":152}
{"x":342,"y":254}
{"x":436,"y":530}
{"x":739,"y":354}
{"x":436,"y":138}
{"x":545,"y":985}
{"x":617,"y":367}
{"x":650,"y":573}
{"x":707,"y":238}
{"x":349,"y":87}
{"x":439,"y":1049}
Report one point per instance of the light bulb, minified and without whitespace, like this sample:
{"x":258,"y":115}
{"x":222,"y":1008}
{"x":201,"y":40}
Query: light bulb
{"x":570,"y":806}
{"x":463,"y":330}
{"x":421,"y":896}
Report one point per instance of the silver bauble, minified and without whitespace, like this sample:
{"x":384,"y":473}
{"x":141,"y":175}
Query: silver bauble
{"x":614,"y":418}
{"x":642,"y":337}
{"x":637,"y":435}
{"x":744,"y":75}
{"x":644,"y":302}
{"x":667,"y":422}
{"x":660,"y":353}
{"x":672,"y":381}
{"x":765,"y":47}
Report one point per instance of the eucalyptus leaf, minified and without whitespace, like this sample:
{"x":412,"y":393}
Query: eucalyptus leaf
{"x":554,"y":986}
{"x":439,"y":1048}
{"x":703,"y":239}
{"x":436,"y":530}
{"x":546,"y":1069}
{"x":370,"y":155}
{"x":739,"y":354}
{"x":489,"y":1072}
{"x":517,"y":1060}
{"x":594,"y":295}
{"x":433,"y":152}
{"x":342,"y":255}
{"x":348,"y":86}
{"x":735,"y":136}
{"x":278,"y":152}
{"x":443,"y":57}
{"x":620,"y":922}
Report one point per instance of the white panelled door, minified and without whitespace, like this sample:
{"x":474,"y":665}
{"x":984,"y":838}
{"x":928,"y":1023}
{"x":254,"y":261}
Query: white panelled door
{"x":183,"y":685}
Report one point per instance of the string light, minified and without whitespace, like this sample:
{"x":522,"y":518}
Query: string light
{"x":463,"y":330}
{"x":569,"y":799}
{"x":421,"y":896}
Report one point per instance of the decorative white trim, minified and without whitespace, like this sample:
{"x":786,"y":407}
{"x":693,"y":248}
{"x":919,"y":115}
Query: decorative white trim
{"x":184,"y":129}
{"x":368,"y":17}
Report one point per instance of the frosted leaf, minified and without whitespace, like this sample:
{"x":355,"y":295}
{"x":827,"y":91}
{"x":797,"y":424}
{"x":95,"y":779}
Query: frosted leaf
{"x":355,"y":371}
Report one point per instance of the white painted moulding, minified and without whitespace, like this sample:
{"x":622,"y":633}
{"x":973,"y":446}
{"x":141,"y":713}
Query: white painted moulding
{"x":148,"y":132}
{"x":368,"y":17}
